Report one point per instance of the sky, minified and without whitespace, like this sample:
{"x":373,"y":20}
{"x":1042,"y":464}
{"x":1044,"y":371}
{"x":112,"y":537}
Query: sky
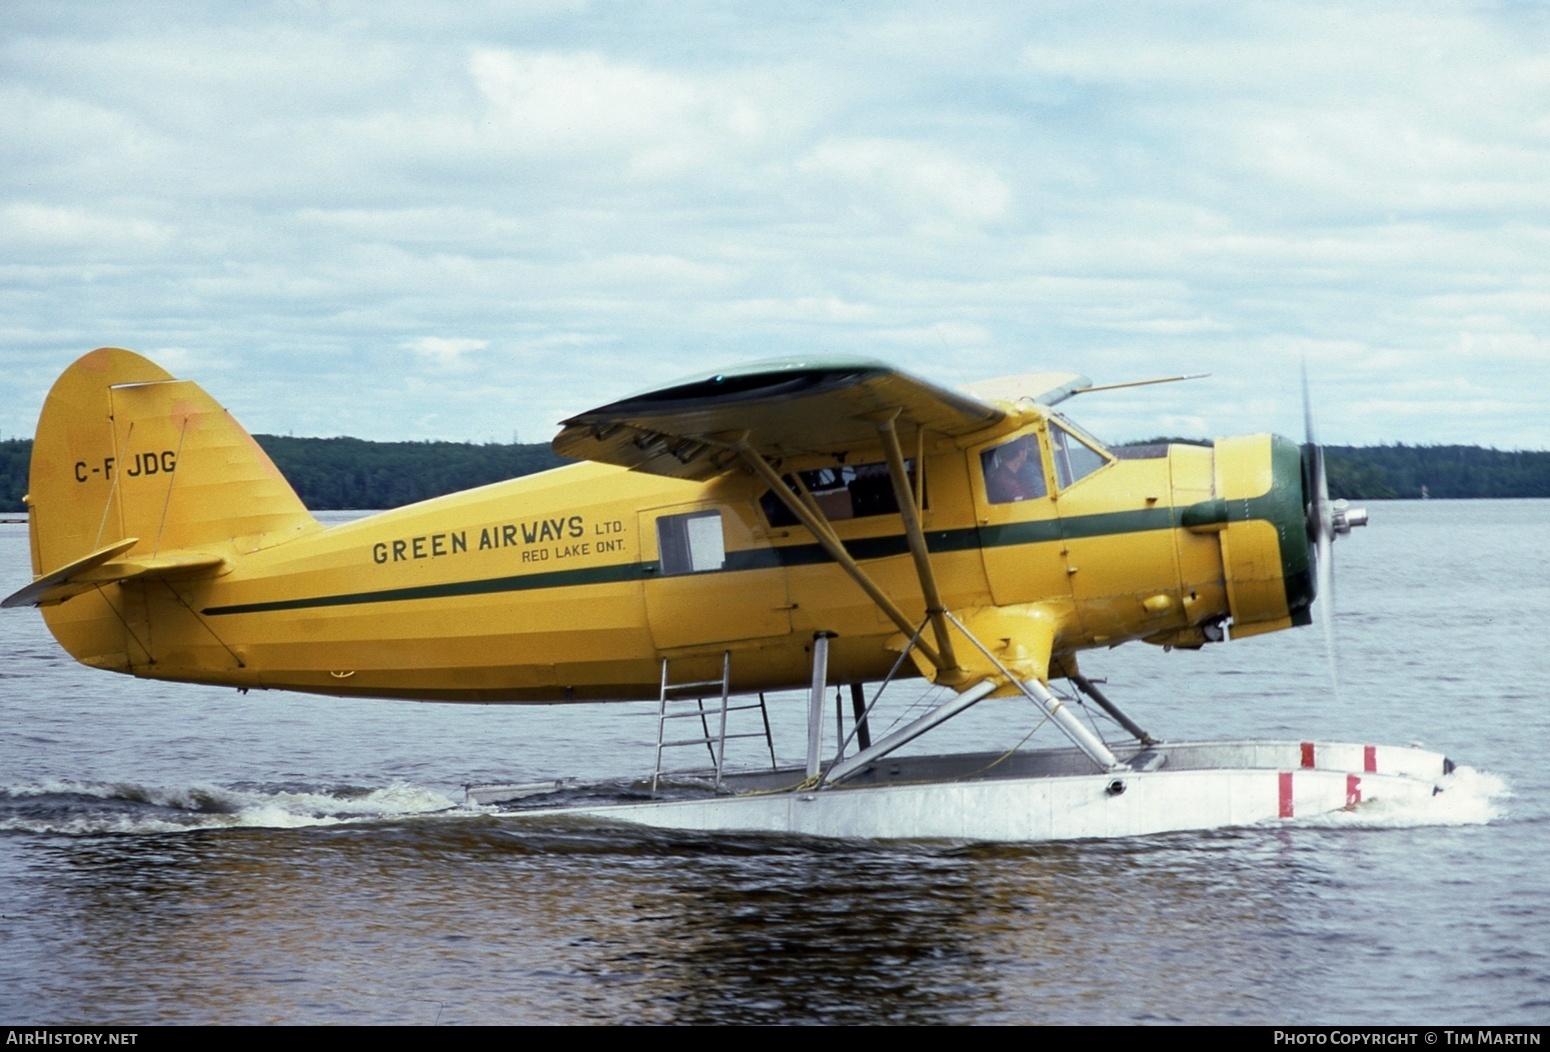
{"x":468,"y":221}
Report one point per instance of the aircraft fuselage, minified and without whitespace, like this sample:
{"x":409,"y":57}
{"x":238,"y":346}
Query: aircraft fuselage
{"x":556,"y":587}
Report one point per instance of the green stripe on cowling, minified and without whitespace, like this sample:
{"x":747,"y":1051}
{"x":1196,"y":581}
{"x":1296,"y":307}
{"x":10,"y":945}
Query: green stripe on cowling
{"x":1283,"y":507}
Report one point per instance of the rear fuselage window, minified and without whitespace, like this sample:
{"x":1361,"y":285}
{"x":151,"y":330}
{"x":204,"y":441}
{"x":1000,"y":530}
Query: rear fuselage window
{"x":1013,"y":471}
{"x":691,"y":543}
{"x":846,"y":491}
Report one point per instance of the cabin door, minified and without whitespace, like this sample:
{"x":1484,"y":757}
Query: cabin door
{"x":1119,"y":541}
{"x":708,"y":578}
{"x":1019,"y":527}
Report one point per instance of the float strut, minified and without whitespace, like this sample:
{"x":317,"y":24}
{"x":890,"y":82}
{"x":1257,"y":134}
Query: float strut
{"x":858,"y":706}
{"x":908,"y":733}
{"x":1086,"y":686}
{"x":1059,"y":712}
{"x":815,"y":700}
{"x":1061,"y":716}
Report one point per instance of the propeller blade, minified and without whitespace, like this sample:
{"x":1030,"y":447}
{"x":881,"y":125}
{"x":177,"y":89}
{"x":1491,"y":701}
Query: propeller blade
{"x":1326,"y":591}
{"x":1321,"y":531}
{"x":1307,"y":408}
{"x":1321,"y":514}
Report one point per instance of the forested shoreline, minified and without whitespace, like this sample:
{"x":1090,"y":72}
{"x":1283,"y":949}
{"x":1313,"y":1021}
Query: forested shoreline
{"x":335,"y":473}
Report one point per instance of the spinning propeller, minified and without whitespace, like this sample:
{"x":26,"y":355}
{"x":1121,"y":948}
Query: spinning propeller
{"x":1326,"y":520}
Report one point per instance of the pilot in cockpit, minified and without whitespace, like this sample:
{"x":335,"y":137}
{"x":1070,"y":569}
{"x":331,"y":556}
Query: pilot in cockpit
{"x":1013,"y":471}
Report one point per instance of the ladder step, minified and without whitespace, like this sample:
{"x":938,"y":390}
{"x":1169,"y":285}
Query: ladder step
{"x":708,"y":741}
{"x":707,"y":713}
{"x":711,"y":697}
{"x":713,"y":704}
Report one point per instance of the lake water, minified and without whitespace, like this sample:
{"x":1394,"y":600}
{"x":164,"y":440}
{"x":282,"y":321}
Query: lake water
{"x":172,"y":853}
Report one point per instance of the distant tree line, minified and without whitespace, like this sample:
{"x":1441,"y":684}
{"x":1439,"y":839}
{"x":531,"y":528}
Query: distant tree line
{"x":330,"y":473}
{"x":1411,"y":472}
{"x":14,"y":456}
{"x":333,"y":473}
{"x":1446,"y":472}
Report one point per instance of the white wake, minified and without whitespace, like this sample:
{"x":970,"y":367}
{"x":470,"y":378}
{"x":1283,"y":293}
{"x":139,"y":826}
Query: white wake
{"x":85,"y":808}
{"x":1469,"y":797}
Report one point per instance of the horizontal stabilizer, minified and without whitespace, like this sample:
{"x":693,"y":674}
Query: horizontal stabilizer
{"x":103,"y":567}
{"x":31,"y":595}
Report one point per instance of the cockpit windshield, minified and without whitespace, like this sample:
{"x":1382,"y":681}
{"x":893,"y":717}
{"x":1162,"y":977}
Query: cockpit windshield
{"x":1077,"y":454}
{"x":1078,"y":430}
{"x":1014,"y":472}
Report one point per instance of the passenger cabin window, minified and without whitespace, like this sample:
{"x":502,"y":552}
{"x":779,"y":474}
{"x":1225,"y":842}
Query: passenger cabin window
{"x":690,"y":543}
{"x":846,"y":491}
{"x":1013,"y":471}
{"x":1074,"y":459}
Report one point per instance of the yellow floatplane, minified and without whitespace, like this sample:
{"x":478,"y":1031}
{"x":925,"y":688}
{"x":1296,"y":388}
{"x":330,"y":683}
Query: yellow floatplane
{"x":797,"y":523}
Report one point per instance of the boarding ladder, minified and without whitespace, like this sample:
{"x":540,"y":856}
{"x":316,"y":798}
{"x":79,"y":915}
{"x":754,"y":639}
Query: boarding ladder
{"x":672,"y":705}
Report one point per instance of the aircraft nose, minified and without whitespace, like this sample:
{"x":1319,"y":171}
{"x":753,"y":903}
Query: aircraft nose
{"x":1326,"y":518}
{"x":1347,"y":518}
{"x":1267,"y":552}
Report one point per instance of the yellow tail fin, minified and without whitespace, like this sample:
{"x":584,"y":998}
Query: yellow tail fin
{"x":124,"y":450}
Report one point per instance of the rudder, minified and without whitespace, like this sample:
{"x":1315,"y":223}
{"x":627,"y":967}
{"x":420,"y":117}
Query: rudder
{"x":123,"y":449}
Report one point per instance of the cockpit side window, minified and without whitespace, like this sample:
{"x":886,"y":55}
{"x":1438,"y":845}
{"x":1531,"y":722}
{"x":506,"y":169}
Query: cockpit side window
{"x":1013,"y":471}
{"x":1074,"y":459}
{"x":846,"y":491}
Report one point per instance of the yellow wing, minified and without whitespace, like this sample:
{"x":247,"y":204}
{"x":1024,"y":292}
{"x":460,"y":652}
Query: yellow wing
{"x":783,"y":408}
{"x":1043,"y":388}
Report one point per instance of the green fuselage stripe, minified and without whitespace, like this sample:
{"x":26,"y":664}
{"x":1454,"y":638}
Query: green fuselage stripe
{"x":517,"y":583}
{"x":861,"y":549}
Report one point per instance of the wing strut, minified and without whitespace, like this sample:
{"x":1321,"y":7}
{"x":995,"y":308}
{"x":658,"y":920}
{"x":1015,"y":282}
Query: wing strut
{"x":905,"y":498}
{"x":810,"y":515}
{"x":814,"y":520}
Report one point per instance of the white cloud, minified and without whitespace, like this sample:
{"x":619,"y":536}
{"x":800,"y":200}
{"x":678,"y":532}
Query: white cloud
{"x":25,"y":226}
{"x":445,"y":352}
{"x":923,"y":181}
{"x":583,"y":103}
